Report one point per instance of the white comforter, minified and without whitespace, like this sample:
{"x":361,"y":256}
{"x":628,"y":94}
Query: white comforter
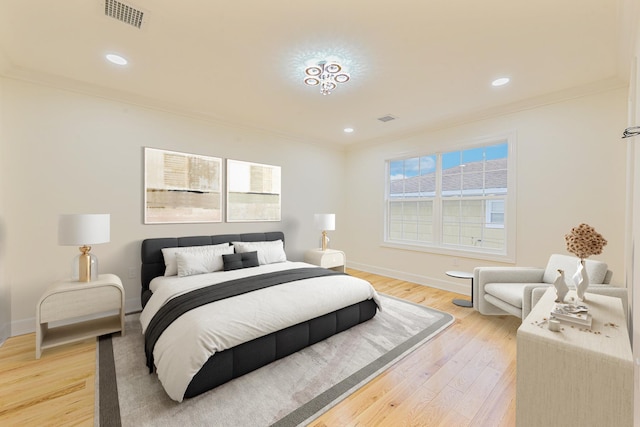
{"x":195,"y":336}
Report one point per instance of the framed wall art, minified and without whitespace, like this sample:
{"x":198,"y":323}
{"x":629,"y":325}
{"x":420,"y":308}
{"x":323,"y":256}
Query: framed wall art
{"x":181,"y":187}
{"x":253,"y":192}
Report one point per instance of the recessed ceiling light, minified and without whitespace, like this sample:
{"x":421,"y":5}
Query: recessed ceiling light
{"x":348,"y":130}
{"x":501,"y":81}
{"x":116,"y":59}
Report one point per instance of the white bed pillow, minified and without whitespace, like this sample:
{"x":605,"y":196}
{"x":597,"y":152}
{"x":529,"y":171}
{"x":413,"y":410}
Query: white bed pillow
{"x":268,"y":252}
{"x":190,"y":263}
{"x":169,"y":254}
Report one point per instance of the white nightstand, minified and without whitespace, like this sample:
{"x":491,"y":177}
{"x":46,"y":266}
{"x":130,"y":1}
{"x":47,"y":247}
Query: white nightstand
{"x":331,"y":258}
{"x":71,"y":302}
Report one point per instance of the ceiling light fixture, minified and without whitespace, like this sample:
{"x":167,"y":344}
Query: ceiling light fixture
{"x":500,"y":82}
{"x":325,"y":74}
{"x":116,"y":59}
{"x":348,"y":130}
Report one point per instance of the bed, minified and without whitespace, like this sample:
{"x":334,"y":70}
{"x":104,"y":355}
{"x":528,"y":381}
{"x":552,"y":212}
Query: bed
{"x":281,"y":307}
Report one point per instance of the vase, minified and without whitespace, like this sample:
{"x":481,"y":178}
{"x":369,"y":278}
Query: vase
{"x":561,"y":286}
{"x":581,"y":279}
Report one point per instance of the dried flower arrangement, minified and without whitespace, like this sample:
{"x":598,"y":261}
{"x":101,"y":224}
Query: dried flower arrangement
{"x":583,"y":241}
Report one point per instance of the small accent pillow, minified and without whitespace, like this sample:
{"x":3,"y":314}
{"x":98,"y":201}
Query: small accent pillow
{"x":212,"y":251}
{"x":268,"y":252}
{"x":240,"y":260}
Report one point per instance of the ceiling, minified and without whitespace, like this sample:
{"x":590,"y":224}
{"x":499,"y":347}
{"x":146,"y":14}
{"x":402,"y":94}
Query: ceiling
{"x":429,"y":63}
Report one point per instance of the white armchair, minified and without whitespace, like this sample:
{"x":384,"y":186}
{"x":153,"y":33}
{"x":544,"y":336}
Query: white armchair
{"x":510,"y":290}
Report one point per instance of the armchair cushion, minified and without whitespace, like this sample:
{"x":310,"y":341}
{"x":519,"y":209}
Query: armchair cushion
{"x":511,"y":293}
{"x":487,"y":303}
{"x":596,"y":270}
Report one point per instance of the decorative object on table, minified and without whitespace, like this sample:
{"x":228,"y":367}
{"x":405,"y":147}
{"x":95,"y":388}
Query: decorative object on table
{"x":583,"y":241}
{"x":554,"y":325}
{"x":572,"y":313}
{"x":581,"y":279}
{"x":83,"y":230}
{"x":561,"y":286}
{"x":325,"y":222}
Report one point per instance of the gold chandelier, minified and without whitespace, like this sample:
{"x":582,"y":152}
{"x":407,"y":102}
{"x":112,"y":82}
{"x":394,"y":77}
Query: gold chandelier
{"x":327,"y":75}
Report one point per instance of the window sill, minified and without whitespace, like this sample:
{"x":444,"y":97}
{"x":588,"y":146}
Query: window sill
{"x":456,"y":252}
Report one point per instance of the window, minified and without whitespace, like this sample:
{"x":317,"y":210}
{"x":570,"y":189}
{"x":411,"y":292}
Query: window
{"x":457,"y":200}
{"x":495,"y":213}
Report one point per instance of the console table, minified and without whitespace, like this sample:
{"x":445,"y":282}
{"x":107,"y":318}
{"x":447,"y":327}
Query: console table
{"x":575,"y":376}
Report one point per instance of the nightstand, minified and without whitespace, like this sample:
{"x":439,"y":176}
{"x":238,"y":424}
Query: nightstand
{"x":331,"y":259}
{"x":83,"y":310}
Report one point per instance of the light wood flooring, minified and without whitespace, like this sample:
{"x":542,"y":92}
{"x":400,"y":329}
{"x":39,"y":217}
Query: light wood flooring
{"x":465,"y":376}
{"x":55,"y":390}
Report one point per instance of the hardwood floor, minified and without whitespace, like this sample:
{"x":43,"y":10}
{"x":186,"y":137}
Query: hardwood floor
{"x":465,"y":376}
{"x":56,"y":390}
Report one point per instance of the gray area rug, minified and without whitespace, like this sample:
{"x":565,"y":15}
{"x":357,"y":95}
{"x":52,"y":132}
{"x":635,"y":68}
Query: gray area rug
{"x":288,"y":392}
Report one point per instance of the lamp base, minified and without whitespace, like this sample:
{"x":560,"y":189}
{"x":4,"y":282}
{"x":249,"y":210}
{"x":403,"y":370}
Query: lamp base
{"x":85,"y":266}
{"x":325,"y":240}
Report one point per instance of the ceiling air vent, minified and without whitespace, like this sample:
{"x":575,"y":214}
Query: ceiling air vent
{"x":124,"y":13}
{"x":387,"y":118}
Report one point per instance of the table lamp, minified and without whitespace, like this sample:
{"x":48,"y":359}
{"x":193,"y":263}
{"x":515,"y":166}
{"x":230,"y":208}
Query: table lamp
{"x":325,"y":222}
{"x":83,"y":230}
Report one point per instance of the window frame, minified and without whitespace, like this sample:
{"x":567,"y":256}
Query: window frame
{"x":438,"y":247}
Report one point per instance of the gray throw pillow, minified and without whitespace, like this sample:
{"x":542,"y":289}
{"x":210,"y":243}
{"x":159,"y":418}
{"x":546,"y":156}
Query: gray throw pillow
{"x":241,"y":260}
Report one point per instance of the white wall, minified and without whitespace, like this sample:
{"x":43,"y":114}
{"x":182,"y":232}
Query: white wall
{"x":633,"y":205}
{"x":5,"y":288}
{"x":633,"y":224}
{"x":66,"y":152}
{"x":570,"y":169}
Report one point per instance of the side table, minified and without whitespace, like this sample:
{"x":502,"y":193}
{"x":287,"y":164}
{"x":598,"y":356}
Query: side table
{"x":70,"y":303}
{"x":330,"y":258}
{"x":462,"y":275}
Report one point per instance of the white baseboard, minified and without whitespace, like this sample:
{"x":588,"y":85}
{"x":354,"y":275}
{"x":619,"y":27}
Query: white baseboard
{"x":23,"y":326}
{"x":434,"y":282}
{"x":5,"y":333}
{"x":132,"y":305}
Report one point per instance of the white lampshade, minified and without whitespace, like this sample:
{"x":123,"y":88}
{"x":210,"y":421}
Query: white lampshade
{"x":325,"y":222}
{"x":83,"y":229}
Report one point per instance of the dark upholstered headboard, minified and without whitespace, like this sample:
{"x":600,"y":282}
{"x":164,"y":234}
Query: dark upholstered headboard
{"x":153,"y":261}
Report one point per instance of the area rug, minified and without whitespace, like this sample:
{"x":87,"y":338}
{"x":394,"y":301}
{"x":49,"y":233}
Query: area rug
{"x":288,"y":392}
